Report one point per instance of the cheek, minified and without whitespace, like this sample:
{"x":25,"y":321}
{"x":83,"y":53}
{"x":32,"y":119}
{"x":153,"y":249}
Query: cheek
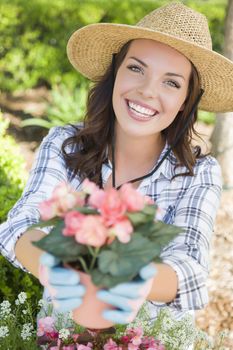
{"x":123,"y":84}
{"x":115,"y":100}
{"x":116,"y":92}
{"x":175,"y":104}
{"x":119,"y":91}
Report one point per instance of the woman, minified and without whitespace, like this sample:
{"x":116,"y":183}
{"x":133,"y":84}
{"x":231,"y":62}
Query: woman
{"x":138,"y":128}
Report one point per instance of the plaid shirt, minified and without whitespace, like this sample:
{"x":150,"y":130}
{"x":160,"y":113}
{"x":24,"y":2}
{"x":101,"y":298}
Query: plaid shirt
{"x":190,"y":202}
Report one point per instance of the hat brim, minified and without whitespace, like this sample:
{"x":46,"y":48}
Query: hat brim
{"x":90,"y":51}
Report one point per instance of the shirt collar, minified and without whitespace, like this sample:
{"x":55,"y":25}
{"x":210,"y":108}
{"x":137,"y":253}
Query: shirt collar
{"x":167,"y":168}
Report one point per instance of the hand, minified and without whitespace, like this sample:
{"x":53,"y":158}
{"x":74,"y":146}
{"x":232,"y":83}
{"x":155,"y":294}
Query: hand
{"x":63,"y":283}
{"x":128,"y":297}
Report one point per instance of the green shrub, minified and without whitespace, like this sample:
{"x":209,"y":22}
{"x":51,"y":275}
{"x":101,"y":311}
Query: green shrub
{"x":206,"y":117}
{"x":12,"y":180}
{"x":12,"y":173}
{"x":65,"y":107}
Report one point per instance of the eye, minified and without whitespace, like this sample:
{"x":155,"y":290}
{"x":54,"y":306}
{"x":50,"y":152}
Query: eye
{"x":135,"y":68}
{"x":173,"y":83}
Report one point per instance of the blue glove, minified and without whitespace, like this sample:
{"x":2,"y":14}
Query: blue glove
{"x":62,"y":283}
{"x":128,"y":297}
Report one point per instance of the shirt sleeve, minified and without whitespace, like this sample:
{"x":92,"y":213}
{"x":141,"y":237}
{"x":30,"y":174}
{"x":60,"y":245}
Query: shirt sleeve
{"x":188,"y":253}
{"x":48,"y":170}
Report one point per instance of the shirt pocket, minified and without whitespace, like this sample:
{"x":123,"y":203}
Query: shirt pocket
{"x":169,"y":215}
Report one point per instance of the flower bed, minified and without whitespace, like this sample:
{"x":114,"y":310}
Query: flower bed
{"x":20,"y":331}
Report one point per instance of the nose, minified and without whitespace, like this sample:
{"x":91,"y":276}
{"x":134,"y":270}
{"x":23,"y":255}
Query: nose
{"x":148,"y":88}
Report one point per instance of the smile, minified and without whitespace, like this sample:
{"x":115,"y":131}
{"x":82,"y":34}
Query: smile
{"x":140,"y":110}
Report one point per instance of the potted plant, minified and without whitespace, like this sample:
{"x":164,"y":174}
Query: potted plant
{"x":107,"y":235}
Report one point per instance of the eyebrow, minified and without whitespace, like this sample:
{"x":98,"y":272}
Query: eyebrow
{"x":170,"y":74}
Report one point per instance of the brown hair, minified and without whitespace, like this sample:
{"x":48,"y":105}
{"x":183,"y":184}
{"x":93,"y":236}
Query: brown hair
{"x":96,"y":135}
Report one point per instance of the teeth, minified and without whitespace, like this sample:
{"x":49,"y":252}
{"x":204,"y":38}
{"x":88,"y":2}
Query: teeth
{"x":141,"y":110}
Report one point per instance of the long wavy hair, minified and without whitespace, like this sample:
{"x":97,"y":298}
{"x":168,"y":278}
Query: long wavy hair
{"x":97,"y":132}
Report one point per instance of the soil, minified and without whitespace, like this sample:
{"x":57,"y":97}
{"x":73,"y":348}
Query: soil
{"x":218,"y":315}
{"x":18,"y":107}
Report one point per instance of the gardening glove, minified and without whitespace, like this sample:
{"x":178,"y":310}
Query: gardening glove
{"x":128,"y":297}
{"x":62,"y":283}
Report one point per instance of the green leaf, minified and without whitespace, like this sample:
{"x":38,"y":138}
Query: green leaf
{"x":106,"y":280}
{"x":144,"y":216}
{"x":145,"y":229}
{"x":36,"y":122}
{"x":63,"y":247}
{"x":87,"y":210}
{"x":161,"y":234}
{"x":127,"y":259}
{"x":51,"y":222}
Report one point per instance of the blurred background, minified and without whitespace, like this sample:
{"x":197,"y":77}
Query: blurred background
{"x":40,"y":89}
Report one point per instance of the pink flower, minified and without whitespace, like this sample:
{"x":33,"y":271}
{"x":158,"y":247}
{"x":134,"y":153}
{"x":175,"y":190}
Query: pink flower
{"x":135,"y":335}
{"x":63,"y":198}
{"x":133,"y":200}
{"x":96,"y":198}
{"x":89,"y":187}
{"x":133,"y":347}
{"x":73,"y":221}
{"x":125,"y":339}
{"x":66,"y":198}
{"x":112,"y":207}
{"x":92,"y":231}
{"x":137,"y":340}
{"x":111,"y":345}
{"x":68,"y":347}
{"x":75,"y":337}
{"x":46,"y":325}
{"x":148,"y":200}
{"x":152,"y":344}
{"x":84,"y":347}
{"x":48,"y":209}
{"x":53,"y":335}
{"x":122,"y":230}
{"x":61,"y":190}
{"x":137,"y":331}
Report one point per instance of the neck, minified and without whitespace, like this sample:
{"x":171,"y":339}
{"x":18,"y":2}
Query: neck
{"x":136,"y":156}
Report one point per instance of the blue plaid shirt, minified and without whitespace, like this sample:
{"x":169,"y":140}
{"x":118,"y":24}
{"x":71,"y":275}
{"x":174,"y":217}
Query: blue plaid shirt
{"x":190,"y":202}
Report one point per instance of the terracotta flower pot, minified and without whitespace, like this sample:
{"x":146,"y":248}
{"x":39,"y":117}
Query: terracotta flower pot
{"x":89,"y":313}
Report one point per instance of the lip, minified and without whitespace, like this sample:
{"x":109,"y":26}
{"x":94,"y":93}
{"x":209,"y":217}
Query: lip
{"x":137,"y":117}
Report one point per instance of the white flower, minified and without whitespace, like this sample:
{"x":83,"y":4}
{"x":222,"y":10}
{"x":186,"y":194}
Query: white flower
{"x":26,"y":332}
{"x":24,"y":312}
{"x":21,"y":298}
{"x":5,"y":308}
{"x":168,"y":324}
{"x":4,"y":331}
{"x":70,"y":315}
{"x":42,"y":303}
{"x":64,"y":333}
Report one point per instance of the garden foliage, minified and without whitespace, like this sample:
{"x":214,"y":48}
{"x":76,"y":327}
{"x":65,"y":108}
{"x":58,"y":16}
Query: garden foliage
{"x":34,"y":34}
{"x":18,"y":331}
{"x":66,"y":106}
{"x":12,"y":173}
{"x":12,"y":180}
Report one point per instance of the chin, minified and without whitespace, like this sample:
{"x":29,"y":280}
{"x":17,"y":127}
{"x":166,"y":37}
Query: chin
{"x":135,"y":132}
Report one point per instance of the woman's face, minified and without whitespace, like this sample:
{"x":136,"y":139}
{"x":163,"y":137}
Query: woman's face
{"x":150,"y":88}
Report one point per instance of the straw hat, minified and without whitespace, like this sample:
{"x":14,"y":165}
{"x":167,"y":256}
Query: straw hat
{"x":90,"y":49}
